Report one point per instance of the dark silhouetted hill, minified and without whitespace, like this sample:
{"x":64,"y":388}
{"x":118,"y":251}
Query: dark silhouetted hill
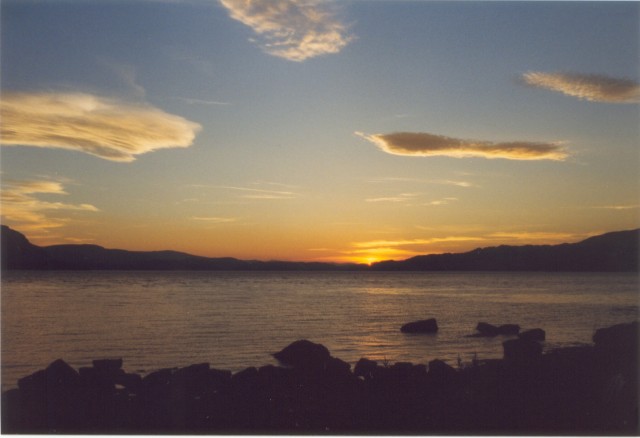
{"x":611,"y":252}
{"x":19,"y":253}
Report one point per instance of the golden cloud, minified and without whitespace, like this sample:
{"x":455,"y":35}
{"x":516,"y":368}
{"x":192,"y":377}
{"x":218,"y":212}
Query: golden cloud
{"x":536,"y":236}
{"x":291,"y":29}
{"x":424,"y":144}
{"x":106,"y":128}
{"x":22,"y":206}
{"x":412,"y":242}
{"x":596,"y":88}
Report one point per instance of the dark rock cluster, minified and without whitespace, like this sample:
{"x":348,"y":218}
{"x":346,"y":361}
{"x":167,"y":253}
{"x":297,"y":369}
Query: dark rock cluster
{"x":423,"y":326}
{"x":579,"y":390}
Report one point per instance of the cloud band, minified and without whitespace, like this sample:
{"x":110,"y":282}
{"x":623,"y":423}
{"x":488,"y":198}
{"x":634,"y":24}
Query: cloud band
{"x":22,"y":206}
{"x":291,"y":29}
{"x":596,"y":88}
{"x":423,"y":144}
{"x":107,"y":128}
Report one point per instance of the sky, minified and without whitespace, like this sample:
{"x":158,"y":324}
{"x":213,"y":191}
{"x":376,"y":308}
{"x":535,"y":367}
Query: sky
{"x":343,"y":131}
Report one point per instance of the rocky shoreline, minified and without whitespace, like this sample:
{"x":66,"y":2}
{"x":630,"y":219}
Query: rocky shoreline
{"x":571,"y":391}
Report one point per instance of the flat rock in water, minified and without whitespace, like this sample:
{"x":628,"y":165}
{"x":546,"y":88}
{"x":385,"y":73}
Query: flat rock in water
{"x":423,"y":326}
{"x":486,"y":329}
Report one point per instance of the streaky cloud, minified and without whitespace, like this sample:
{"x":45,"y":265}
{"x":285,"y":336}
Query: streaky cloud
{"x":595,"y":88}
{"x":192,"y":101}
{"x":424,"y":144}
{"x":22,"y":206}
{"x":443,"y":201}
{"x":618,"y":207}
{"x":422,"y":181}
{"x":412,"y":242}
{"x":215,"y":219}
{"x":295,"y":30}
{"x":107,"y":128}
{"x":262,"y":193}
{"x":402,"y":197}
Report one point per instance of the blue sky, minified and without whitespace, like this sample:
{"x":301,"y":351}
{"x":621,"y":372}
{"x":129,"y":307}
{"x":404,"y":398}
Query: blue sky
{"x":270,"y":131}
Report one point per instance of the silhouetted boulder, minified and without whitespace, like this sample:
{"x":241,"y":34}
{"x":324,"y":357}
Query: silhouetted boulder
{"x":157,"y":381}
{"x":521,"y":351}
{"x":193,"y":379}
{"x":220,"y":378}
{"x":365,"y":368}
{"x":303,"y":354}
{"x":130,"y":381}
{"x":33,"y":382}
{"x":58,"y":375}
{"x":423,"y":326}
{"x":271,"y":375}
{"x":533,"y":335}
{"x":441,"y":370}
{"x":97,"y":383}
{"x":509,"y":329}
{"x":418,"y":371}
{"x":105,"y":372}
{"x":248,"y":375}
{"x":620,"y":338}
{"x":61,"y":373}
{"x":401,"y":371}
{"x":337,"y":369}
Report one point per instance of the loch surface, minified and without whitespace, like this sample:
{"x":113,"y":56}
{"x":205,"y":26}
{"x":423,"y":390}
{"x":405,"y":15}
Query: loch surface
{"x":237,"y":319}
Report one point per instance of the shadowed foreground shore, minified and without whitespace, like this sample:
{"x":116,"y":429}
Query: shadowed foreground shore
{"x":579,"y":390}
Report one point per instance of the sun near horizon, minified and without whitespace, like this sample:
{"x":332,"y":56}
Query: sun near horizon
{"x":372,"y":254}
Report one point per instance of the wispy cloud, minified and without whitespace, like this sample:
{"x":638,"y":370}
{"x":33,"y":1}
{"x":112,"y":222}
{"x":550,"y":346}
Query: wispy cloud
{"x":295,"y":30}
{"x":215,"y":219}
{"x":103,"y":127}
{"x":443,"y":201}
{"x":127,"y":75}
{"x":423,"y":181}
{"x":618,"y":207}
{"x":537,"y":237}
{"x":191,"y":101}
{"x":23,"y":207}
{"x":596,"y":88}
{"x":413,"y":242}
{"x":423,"y":144}
{"x":402,"y":197}
{"x":454,"y":183}
{"x":262,"y":193}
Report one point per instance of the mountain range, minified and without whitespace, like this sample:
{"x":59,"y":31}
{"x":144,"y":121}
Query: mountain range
{"x":611,"y":252}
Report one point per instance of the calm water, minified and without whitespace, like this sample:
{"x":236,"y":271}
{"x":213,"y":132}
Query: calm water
{"x":234,"y":320}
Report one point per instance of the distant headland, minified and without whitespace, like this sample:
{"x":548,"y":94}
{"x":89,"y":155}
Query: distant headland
{"x":611,"y":252}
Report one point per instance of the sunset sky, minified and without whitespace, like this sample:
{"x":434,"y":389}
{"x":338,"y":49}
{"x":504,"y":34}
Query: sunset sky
{"x":307,"y":130}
